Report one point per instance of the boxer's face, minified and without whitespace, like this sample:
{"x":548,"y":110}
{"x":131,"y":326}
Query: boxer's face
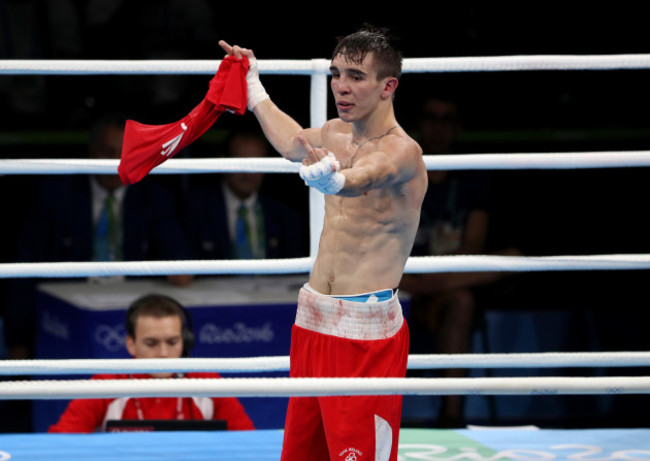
{"x":357,"y":90}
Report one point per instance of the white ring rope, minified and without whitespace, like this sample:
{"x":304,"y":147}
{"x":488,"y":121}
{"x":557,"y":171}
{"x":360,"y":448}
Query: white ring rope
{"x":152,"y":268}
{"x":503,"y":161}
{"x":477,"y":263}
{"x":522,"y":161}
{"x":172,"y":166}
{"x":281,"y":363}
{"x":317,"y":68}
{"x":305,"y":67}
{"x":153,"y":66}
{"x":289,"y":387}
{"x":415,"y":264}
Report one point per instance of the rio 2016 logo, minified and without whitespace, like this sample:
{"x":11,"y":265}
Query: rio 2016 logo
{"x":428,"y":452}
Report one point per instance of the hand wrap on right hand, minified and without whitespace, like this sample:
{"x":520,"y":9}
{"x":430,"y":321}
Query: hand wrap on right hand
{"x":255,"y":91}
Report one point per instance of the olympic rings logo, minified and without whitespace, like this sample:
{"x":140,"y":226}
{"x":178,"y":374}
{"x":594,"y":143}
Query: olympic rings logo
{"x":544,"y":392}
{"x":112,"y":338}
{"x":614,"y":390}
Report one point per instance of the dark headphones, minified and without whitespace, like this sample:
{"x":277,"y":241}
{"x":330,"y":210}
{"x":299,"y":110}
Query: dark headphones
{"x":187,"y":332}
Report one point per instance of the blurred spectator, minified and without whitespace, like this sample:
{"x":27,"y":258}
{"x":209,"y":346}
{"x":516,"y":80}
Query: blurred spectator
{"x":157,"y":327}
{"x":454,"y":221}
{"x":91,"y":218}
{"x":233,"y":218}
{"x":149,"y":29}
{"x":35,"y":29}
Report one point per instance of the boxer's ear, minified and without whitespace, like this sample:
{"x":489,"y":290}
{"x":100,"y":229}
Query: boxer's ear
{"x":390,"y":85}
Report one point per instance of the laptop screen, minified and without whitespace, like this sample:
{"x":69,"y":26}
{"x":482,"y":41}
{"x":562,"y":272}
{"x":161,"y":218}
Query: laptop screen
{"x":153,"y":425}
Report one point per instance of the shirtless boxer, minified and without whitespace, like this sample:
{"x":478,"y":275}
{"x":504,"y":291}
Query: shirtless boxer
{"x":349,"y":322}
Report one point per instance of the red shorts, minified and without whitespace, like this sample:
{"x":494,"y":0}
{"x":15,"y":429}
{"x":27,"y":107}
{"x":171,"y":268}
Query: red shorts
{"x":335,"y":338}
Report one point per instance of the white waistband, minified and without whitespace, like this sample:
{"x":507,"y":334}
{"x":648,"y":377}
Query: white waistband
{"x":348,"y":319}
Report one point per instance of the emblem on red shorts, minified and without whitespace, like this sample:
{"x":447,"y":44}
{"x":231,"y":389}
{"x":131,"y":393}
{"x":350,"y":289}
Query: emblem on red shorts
{"x":351,"y":454}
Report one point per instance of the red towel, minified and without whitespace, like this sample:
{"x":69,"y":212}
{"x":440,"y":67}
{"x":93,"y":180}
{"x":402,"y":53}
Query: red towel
{"x":147,"y":146}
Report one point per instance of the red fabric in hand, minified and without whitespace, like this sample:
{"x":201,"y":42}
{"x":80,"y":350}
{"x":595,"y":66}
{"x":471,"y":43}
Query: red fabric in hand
{"x":147,"y":146}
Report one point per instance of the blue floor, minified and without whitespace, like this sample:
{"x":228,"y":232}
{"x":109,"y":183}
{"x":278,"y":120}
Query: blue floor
{"x":263,"y":445}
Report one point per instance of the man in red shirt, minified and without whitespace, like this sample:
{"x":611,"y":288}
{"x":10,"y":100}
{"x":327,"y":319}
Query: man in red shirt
{"x":157,"y":327}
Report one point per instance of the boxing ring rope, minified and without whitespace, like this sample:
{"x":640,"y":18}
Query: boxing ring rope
{"x":281,"y":363}
{"x":308,"y":67}
{"x":287,"y":387}
{"x":510,"y":161}
{"x":318,"y":70}
{"x":419,"y":264}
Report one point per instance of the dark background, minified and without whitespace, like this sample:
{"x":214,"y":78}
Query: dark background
{"x":542,"y":212}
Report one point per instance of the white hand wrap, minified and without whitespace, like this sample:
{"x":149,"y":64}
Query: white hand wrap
{"x":256,"y":92}
{"x":324,"y":175}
